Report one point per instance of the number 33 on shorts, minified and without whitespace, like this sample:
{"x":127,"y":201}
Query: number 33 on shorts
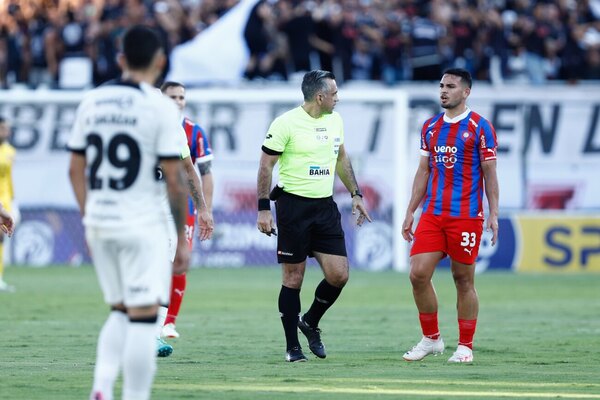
{"x":468,"y":248}
{"x":469,"y":239}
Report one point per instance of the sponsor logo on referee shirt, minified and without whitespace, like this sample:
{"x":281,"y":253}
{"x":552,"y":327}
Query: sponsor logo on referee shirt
{"x":315,"y":170}
{"x":323,"y":138}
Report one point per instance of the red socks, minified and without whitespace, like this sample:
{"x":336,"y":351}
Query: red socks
{"x":466,"y":328}
{"x":429,"y":325}
{"x":466,"y":331}
{"x":178,"y":283}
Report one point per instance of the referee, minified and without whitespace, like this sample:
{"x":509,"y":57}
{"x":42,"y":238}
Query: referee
{"x":308,"y":142}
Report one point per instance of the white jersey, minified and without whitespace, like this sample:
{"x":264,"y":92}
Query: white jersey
{"x":124,"y":130}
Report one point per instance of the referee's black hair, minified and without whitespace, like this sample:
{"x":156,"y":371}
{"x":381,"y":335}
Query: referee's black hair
{"x":314,"y":82}
{"x":170,"y":84}
{"x":462,"y":74}
{"x":140,"y":44}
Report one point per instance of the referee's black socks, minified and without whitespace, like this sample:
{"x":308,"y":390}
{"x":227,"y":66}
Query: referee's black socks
{"x":289,"y":309}
{"x":325,"y":296}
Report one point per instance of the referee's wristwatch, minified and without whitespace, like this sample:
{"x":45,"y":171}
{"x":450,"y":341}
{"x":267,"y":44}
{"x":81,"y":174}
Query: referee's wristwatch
{"x":357,"y":192}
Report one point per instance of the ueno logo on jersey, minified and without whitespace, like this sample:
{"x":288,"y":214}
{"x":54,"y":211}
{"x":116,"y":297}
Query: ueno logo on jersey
{"x":446,"y":155}
{"x":315,"y":170}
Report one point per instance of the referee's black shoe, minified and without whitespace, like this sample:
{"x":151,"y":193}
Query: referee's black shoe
{"x":314,"y":338}
{"x":295,"y":354}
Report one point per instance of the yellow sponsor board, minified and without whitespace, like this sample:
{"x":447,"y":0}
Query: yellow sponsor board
{"x":559,"y":243}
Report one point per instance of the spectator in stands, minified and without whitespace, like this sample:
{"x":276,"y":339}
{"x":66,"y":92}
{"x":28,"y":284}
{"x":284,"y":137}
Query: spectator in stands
{"x":386,"y":39}
{"x":268,"y":48}
{"x":426,"y":42}
{"x":395,"y":46}
{"x":297,"y":23}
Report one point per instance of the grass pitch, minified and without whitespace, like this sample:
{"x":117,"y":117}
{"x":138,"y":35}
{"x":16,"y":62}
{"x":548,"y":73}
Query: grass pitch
{"x":538,"y":337}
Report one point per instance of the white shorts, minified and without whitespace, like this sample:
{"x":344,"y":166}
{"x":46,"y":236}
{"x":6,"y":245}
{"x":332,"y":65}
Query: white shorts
{"x":132,"y":264}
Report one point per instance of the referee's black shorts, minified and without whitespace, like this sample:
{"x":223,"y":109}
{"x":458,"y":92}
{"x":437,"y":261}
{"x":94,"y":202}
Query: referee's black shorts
{"x":306,"y":225}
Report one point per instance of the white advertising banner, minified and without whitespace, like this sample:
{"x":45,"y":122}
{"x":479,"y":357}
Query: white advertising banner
{"x":549,"y":158}
{"x":549,"y":140}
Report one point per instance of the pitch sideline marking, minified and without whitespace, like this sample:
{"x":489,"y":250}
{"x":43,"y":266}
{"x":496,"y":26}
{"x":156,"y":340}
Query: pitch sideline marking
{"x":372,"y":390}
{"x":454,"y":383}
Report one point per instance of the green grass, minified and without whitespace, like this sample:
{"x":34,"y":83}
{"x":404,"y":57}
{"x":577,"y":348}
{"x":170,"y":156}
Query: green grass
{"x":538,"y":337}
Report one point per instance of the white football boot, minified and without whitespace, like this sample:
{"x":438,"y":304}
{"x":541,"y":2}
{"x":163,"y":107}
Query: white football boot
{"x":424,"y":348}
{"x":5,"y":287}
{"x":463,"y":354}
{"x":168,"y":331}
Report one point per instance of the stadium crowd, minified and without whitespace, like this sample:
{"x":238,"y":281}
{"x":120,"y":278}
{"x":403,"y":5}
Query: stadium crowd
{"x":384,"y":40}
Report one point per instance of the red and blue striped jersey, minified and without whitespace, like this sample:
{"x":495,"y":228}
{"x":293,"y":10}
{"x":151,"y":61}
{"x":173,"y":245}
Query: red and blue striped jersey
{"x":200,"y":150}
{"x":197,"y":141}
{"x":456,"y":148}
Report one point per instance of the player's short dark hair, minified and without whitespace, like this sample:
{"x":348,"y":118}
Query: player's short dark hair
{"x":462,"y":74}
{"x":314,"y":82}
{"x":169,"y":84}
{"x":140,"y":44}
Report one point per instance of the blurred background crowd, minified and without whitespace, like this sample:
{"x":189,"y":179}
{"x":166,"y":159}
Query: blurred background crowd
{"x":377,"y":40}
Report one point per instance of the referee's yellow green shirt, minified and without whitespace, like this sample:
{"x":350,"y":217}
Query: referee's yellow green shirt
{"x":309,"y":150}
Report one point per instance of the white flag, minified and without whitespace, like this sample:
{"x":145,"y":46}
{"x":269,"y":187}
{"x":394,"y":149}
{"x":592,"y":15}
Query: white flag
{"x":218,"y":54}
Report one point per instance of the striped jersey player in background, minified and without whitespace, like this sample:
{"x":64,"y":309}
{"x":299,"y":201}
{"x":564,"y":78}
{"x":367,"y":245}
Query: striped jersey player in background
{"x":201,"y":155}
{"x":458,"y":158}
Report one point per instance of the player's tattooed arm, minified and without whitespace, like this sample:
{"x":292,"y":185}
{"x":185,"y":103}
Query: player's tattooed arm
{"x":194,"y":185}
{"x":195,"y":188}
{"x":206,"y":177}
{"x":174,"y":176}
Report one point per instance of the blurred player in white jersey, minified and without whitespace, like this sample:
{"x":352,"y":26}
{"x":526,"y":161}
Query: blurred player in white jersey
{"x":122,"y":131}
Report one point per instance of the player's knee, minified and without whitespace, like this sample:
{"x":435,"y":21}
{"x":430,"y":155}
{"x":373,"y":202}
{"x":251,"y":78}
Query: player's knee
{"x":418,"y":278}
{"x":293,"y":279}
{"x":338,"y":279}
{"x":463,"y":283}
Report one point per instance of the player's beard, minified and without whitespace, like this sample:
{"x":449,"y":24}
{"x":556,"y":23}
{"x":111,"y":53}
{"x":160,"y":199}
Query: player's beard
{"x":449,"y":105}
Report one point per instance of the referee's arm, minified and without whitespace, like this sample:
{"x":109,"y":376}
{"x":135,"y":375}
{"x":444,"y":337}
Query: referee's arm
{"x":343,"y":168}
{"x":264,"y":221}
{"x":265,"y":172}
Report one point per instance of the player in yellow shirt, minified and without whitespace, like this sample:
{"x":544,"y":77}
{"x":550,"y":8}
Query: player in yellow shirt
{"x":7,"y":156}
